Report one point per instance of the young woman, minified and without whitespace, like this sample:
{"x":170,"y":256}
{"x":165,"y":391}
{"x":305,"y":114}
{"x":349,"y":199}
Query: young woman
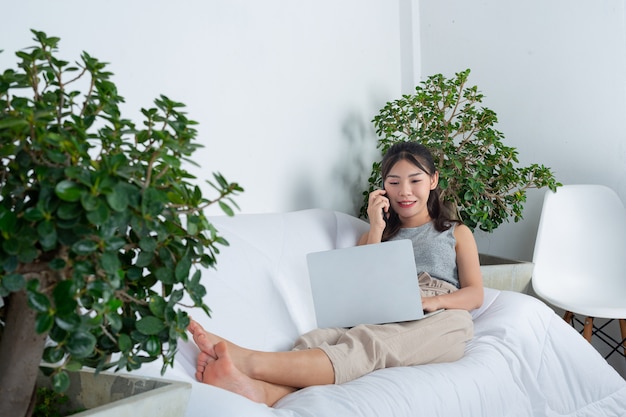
{"x":446,"y":256}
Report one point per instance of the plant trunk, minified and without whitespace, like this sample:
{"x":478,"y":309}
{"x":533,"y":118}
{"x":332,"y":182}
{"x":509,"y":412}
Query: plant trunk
{"x":21,"y":350}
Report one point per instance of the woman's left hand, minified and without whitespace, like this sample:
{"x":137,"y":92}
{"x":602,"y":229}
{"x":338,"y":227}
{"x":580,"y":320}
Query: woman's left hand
{"x":430,"y":304}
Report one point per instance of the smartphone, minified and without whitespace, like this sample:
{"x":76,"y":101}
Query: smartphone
{"x":382,"y":186}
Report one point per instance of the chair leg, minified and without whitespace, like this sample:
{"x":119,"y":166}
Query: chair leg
{"x":622,"y":326}
{"x":568,"y":317}
{"x":588,"y":329}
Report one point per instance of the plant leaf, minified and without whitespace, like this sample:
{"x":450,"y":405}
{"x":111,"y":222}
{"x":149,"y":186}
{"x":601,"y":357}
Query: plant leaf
{"x":13,"y":282}
{"x":81,"y":344}
{"x":68,"y":190}
{"x":150,"y":325}
{"x":84,"y":247}
{"x":60,"y":382}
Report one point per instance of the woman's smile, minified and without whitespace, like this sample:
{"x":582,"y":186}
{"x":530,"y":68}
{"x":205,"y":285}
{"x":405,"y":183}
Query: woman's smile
{"x":406,"y":204}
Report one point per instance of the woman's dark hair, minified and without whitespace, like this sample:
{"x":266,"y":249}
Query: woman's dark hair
{"x":418,"y":155}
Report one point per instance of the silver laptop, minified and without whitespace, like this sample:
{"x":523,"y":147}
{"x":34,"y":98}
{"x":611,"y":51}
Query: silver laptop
{"x":368,"y":284}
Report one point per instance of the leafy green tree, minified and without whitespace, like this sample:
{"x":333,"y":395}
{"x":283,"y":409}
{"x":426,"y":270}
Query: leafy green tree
{"x":481,"y":182}
{"x":102,"y":230}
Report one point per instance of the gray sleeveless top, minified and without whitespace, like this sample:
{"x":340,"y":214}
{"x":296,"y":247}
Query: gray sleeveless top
{"x":434,"y":251}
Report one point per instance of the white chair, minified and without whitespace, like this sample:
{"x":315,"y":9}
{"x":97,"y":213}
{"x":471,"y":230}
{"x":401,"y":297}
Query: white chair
{"x":580,"y":258}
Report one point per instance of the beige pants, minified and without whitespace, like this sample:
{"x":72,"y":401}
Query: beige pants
{"x":359,"y":350}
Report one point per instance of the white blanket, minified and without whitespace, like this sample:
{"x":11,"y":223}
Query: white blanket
{"x":524,"y":360}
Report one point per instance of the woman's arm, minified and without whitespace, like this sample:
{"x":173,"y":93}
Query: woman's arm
{"x":470,"y":295}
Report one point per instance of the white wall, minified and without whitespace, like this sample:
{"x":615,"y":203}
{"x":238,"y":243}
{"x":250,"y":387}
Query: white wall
{"x":284,"y":91}
{"x":555,"y":73}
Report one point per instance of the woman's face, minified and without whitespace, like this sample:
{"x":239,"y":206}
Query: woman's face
{"x":408,"y":188}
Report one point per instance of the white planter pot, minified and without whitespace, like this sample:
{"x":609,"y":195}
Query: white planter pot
{"x":123,"y":395}
{"x":506,"y":274}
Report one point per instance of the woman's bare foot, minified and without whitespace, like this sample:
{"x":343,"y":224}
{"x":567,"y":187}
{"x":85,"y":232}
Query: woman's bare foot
{"x":203,"y":339}
{"x":220,"y":371}
{"x":206,"y":342}
{"x":232,"y":367}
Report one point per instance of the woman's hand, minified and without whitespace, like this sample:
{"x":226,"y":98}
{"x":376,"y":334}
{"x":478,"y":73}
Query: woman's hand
{"x":377,"y":210}
{"x":430,"y":304}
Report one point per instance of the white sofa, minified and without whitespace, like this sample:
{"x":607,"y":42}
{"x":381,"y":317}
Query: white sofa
{"x":523,"y":360}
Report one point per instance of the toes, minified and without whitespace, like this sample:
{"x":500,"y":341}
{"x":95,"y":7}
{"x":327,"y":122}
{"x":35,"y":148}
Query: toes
{"x":203,"y":342}
{"x":199,"y":372}
{"x":194,"y":326}
{"x":202,"y":362}
{"x":220,"y":349}
{"x":205,"y":357}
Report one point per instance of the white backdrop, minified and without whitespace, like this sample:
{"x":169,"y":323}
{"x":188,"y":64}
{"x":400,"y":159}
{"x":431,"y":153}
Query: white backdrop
{"x":285,"y":91}
{"x":555,"y":73}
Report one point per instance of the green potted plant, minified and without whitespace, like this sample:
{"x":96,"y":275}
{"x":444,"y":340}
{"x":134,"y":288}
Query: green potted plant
{"x":102,"y":229}
{"x":480,"y":180}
